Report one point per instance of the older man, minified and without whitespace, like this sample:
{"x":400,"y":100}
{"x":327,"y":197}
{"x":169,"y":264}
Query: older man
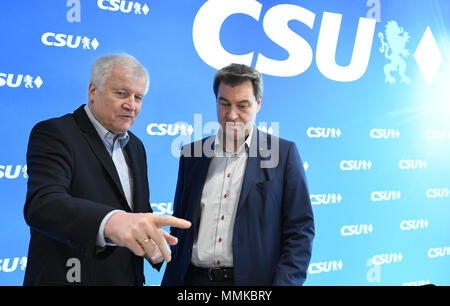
{"x":246,"y":195}
{"x":87,"y":203}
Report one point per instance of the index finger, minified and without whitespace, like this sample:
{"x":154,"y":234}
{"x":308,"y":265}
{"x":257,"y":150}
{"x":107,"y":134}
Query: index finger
{"x":162,"y":221}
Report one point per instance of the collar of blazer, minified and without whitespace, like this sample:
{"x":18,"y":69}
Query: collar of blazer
{"x":97,"y":146}
{"x":260,"y":168}
{"x":261,"y":163}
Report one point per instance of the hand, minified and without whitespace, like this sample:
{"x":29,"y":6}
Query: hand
{"x":155,"y":256}
{"x":132,"y":229}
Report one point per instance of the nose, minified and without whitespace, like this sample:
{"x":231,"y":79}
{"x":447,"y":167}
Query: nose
{"x":130,"y":104}
{"x":232,"y":113}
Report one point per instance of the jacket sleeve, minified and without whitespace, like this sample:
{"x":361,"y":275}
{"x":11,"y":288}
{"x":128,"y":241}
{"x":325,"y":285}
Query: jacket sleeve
{"x":297,"y":224}
{"x":49,"y":208}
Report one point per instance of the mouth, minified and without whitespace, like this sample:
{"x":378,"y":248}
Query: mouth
{"x":234,"y":125}
{"x":235,"y":130}
{"x":126,"y":117}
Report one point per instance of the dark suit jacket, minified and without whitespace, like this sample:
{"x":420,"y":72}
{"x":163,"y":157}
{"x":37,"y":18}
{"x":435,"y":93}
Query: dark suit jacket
{"x":72,"y":185}
{"x":274,"y":228}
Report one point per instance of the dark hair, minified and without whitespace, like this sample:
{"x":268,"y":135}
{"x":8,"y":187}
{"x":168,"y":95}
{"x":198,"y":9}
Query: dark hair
{"x":236,"y":74}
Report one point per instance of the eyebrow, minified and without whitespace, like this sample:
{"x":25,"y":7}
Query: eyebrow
{"x":128,"y":91}
{"x":239,"y":102}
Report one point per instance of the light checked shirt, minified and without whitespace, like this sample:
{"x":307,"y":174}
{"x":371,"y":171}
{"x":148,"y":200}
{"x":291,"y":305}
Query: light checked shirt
{"x":220,"y":197}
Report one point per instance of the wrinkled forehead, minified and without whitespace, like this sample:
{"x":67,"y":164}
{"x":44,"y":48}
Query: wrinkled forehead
{"x":128,"y":78}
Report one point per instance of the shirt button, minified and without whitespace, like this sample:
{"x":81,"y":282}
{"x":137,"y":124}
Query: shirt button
{"x":220,"y":239}
{"x":228,"y":175}
{"x":218,"y":262}
{"x":225,"y":196}
{"x":223,"y":217}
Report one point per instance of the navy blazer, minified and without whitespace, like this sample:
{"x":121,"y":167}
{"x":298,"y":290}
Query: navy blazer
{"x":72,"y":185}
{"x":274,"y":226}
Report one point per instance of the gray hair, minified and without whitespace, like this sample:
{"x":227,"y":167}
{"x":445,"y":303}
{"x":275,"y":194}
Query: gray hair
{"x":236,"y":74}
{"x":103,"y":66}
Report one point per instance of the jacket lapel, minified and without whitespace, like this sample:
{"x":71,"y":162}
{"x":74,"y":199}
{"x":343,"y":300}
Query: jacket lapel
{"x":97,"y":146}
{"x":258,"y":152}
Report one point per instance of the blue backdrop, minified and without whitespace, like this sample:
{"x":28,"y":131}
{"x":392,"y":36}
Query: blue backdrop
{"x":361,"y":86}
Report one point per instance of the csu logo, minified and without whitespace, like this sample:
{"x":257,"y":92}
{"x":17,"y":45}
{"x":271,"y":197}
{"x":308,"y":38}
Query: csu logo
{"x":388,"y":258}
{"x":325,"y":266}
{"x":211,"y":16}
{"x":162,"y":208}
{"x":5,"y":265}
{"x":319,"y":132}
{"x":384,"y":134}
{"x":356,"y":165}
{"x":392,"y":195}
{"x":407,"y":225}
{"x":11,"y":172}
{"x":437,"y":134}
{"x":434,"y":193}
{"x":123,"y":6}
{"x":361,"y":229}
{"x":417,"y":283}
{"x":439,"y":252}
{"x":170,"y":129}
{"x":13,"y":81}
{"x":409,"y":164}
{"x":71,"y":41}
{"x":325,"y":199}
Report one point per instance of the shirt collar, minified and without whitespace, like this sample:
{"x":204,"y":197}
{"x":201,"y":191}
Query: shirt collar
{"x":105,"y":135}
{"x":218,"y":143}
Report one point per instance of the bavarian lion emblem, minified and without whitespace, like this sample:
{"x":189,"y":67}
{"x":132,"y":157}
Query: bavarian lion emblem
{"x":395,"y":51}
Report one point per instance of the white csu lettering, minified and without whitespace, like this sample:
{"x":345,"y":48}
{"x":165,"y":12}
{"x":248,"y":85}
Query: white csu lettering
{"x":6,"y":268}
{"x":115,"y":5}
{"x":60,"y":40}
{"x":9,"y":80}
{"x":210,"y":17}
{"x":6,"y":171}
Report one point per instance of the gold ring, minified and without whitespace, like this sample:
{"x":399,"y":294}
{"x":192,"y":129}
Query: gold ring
{"x":145,"y":241}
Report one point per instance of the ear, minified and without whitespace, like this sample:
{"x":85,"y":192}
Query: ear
{"x":91,"y":92}
{"x":258,"y":104}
